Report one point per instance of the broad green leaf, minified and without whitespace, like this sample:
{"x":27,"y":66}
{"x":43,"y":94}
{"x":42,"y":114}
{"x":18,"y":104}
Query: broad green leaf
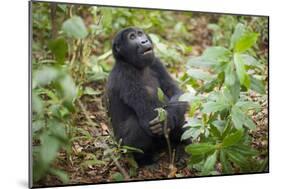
{"x":188,"y":97}
{"x":226,"y":166}
{"x":200,"y":149}
{"x":160,"y":95}
{"x":245,"y":42}
{"x":237,"y":117}
{"x":250,"y":61}
{"x":69,"y":88}
{"x":247,"y":105}
{"x":59,"y":49}
{"x":234,"y":90}
{"x":249,"y":123}
{"x":192,"y":132}
{"x":161,"y":114}
{"x":238,"y":32}
{"x":209,"y":163}
{"x":75,"y":27}
{"x":201,"y":62}
{"x":244,"y":150}
{"x":216,"y":53}
{"x":257,"y":85}
{"x":210,"y":107}
{"x":232,"y":139}
{"x":58,"y":130}
{"x":240,"y":70}
{"x":200,"y":74}
{"x":229,"y":75}
{"x":237,"y":158}
{"x":44,"y":76}
{"x":60,"y":174}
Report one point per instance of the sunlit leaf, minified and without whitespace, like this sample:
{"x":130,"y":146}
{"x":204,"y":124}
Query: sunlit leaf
{"x":245,"y":42}
{"x":200,"y":74}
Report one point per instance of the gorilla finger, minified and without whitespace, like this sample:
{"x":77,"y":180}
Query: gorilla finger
{"x":156,"y":126}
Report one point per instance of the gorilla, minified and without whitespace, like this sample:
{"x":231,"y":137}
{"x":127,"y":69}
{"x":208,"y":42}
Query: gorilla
{"x":132,"y":96}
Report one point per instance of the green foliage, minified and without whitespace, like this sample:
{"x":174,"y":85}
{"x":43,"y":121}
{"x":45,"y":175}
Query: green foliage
{"x":220,"y":133}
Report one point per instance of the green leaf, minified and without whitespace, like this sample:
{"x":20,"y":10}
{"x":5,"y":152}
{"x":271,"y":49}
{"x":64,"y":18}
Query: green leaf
{"x":245,"y":42}
{"x":249,"y":123}
{"x":232,"y":139}
{"x":117,"y":176}
{"x":200,"y":149}
{"x":132,"y":149}
{"x":201,"y":62}
{"x":238,"y":32}
{"x":59,"y":49}
{"x":209,"y":163}
{"x":250,"y":61}
{"x":192,"y":132}
{"x":69,"y":88}
{"x":234,"y":90}
{"x":216,"y":53}
{"x":75,"y":27}
{"x":188,"y":97}
{"x":226,"y":166}
{"x":229,"y":75}
{"x":248,"y":105}
{"x":244,"y":150}
{"x":257,"y":85}
{"x":237,"y":117}
{"x":160,"y":95}
{"x":240,"y":70}
{"x":237,"y":158}
{"x":200,"y":74}
{"x":210,"y":107}
{"x":44,"y":76}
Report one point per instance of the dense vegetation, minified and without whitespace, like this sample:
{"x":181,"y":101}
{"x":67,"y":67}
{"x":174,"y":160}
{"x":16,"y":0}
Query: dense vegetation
{"x":220,"y":61}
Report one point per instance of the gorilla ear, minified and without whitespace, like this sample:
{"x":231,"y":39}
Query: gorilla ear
{"x":116,"y":48}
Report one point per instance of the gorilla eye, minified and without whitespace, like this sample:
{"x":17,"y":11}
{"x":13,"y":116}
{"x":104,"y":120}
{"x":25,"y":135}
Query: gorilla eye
{"x":139,"y":33}
{"x":132,"y":36}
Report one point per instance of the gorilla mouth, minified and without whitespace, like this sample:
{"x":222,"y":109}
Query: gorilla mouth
{"x":147,"y":51}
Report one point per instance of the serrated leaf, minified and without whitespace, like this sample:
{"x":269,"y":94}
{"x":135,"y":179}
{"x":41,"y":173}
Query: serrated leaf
{"x":232,"y":139}
{"x":200,"y":149}
{"x":237,"y":158}
{"x":247,"y":105}
{"x":75,"y":27}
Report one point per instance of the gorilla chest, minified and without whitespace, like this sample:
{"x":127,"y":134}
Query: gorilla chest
{"x":150,"y":85}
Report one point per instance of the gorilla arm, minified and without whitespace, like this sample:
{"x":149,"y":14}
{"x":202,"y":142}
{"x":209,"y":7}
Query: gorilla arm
{"x":175,"y":109}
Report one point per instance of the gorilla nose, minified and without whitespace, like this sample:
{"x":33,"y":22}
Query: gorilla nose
{"x":144,"y":41}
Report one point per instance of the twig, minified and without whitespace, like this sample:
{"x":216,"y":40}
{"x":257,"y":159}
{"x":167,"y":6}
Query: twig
{"x":116,"y":162}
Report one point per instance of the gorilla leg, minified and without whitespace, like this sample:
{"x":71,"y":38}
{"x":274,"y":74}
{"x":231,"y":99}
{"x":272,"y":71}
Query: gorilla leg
{"x":133,"y":135}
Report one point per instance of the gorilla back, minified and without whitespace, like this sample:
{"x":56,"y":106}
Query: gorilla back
{"x":132,"y":95}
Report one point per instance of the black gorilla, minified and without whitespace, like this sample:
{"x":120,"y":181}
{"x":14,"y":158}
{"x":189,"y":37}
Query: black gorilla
{"x":132,"y":95}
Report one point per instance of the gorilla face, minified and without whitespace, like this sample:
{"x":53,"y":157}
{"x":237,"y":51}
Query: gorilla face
{"x":134,"y":47}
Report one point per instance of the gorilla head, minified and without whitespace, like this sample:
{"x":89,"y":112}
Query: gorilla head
{"x":132,"y":46}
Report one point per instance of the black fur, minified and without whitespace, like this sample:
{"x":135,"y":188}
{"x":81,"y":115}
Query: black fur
{"x":132,"y":94}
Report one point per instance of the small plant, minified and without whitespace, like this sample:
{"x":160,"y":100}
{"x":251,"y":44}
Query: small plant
{"x":220,"y":131}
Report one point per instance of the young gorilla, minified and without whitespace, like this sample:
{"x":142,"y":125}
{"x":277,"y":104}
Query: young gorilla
{"x":132,"y":96}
